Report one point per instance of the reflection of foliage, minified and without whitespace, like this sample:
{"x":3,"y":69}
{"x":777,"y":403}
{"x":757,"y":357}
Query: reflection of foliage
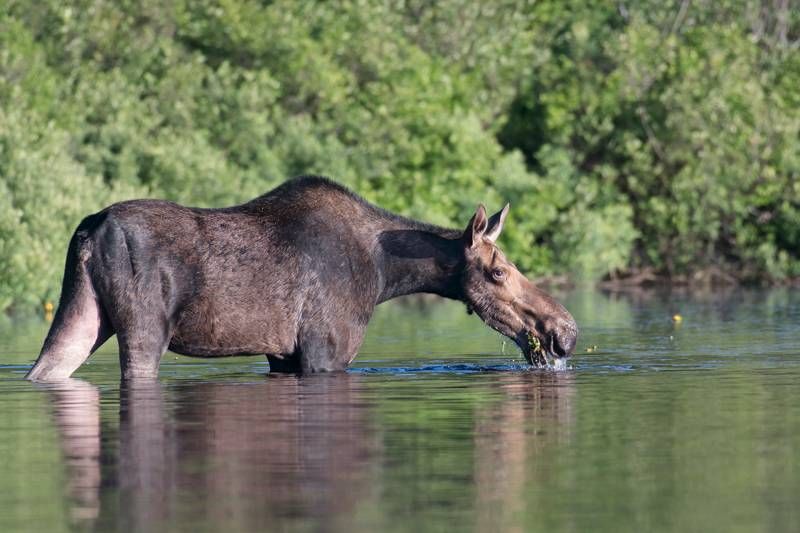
{"x":646,"y":135}
{"x":31,"y":467}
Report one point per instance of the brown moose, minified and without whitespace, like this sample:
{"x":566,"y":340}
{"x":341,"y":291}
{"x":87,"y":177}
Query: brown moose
{"x":294,"y":274}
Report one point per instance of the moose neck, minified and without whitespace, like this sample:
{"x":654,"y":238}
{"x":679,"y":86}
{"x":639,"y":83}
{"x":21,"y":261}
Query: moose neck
{"x":419,"y":259}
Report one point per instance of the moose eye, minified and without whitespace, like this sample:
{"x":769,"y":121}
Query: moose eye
{"x":498,"y":274}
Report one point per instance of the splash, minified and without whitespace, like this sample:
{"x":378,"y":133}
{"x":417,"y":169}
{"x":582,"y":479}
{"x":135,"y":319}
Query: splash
{"x":555,"y":364}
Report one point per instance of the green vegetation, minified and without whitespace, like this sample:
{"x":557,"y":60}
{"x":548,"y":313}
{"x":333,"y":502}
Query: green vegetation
{"x":627,"y":137}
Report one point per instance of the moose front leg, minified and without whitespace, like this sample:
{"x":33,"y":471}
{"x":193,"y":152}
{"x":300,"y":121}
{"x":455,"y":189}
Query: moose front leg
{"x":329,"y":349}
{"x":315,"y":354}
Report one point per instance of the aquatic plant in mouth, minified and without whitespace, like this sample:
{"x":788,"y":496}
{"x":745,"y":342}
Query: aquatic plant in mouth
{"x":539,"y":357}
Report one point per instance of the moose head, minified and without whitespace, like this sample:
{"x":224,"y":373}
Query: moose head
{"x":506,"y":300}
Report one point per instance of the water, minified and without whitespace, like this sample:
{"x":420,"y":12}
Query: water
{"x":664,"y":426}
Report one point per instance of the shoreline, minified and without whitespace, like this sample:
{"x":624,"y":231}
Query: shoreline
{"x":649,"y":278}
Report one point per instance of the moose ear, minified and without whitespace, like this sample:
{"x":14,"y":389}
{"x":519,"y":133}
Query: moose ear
{"x":495,"y":225}
{"x":476,"y":227}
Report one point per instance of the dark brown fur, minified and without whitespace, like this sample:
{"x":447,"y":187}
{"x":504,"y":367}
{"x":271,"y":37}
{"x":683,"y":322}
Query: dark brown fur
{"x":294,"y":274}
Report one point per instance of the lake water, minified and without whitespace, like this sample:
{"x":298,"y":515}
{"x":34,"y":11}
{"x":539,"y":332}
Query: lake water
{"x":689,"y":426}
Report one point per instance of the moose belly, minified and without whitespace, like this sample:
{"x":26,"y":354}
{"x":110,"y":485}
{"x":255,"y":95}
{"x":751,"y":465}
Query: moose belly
{"x":231,"y":333}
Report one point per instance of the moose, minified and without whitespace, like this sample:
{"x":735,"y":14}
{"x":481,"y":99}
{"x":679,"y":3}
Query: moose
{"x":294,"y":274}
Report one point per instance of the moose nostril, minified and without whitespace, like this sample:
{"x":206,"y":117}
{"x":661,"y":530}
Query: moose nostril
{"x":568,"y":343}
{"x":564,"y":342}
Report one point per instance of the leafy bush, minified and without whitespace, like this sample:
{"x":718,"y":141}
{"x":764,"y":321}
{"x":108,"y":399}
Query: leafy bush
{"x":649,"y":136}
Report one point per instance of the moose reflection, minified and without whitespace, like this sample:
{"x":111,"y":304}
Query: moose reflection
{"x":285,"y":451}
{"x":530,"y":424}
{"x":260,"y":452}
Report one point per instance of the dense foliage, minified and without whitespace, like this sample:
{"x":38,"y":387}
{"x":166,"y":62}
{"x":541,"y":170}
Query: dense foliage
{"x":628,"y":136}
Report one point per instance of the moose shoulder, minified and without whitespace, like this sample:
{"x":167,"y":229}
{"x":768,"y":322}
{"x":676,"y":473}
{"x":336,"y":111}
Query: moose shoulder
{"x":294,"y":274}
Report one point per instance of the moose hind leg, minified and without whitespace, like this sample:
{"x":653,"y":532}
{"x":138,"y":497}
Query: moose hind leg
{"x":79,"y":328}
{"x":141,"y":346}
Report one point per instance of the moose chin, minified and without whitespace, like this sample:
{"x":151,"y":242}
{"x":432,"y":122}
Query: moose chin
{"x":294,"y":274}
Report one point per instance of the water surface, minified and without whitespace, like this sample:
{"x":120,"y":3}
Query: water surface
{"x":693,"y":426}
